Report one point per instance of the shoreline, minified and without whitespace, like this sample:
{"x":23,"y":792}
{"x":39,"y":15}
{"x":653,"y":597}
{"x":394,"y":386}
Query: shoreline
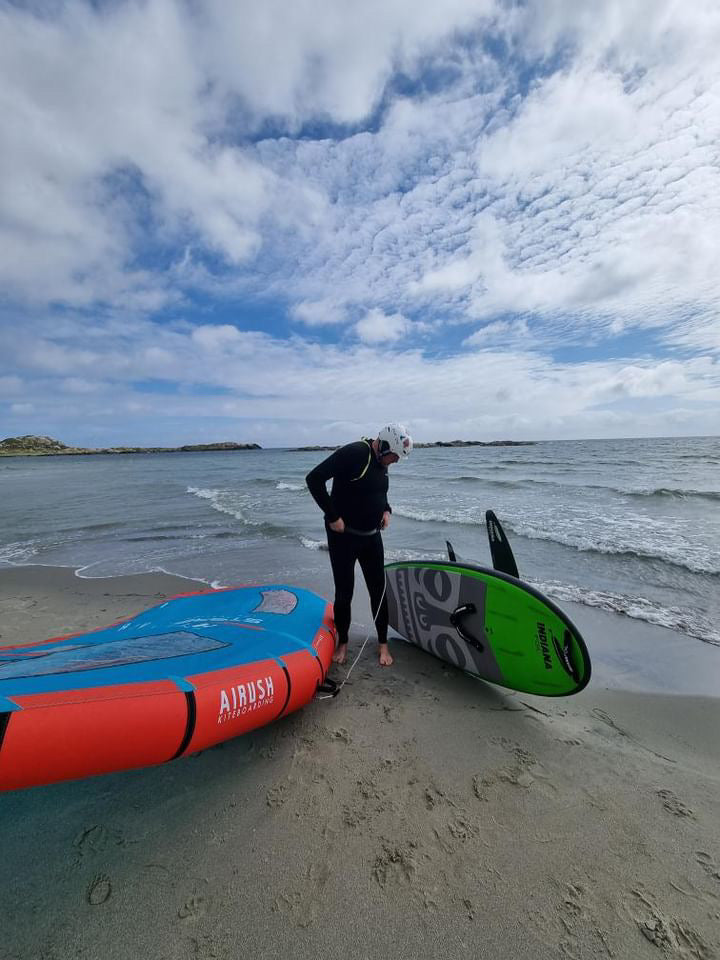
{"x":32,"y":598}
{"x":421,"y":811}
{"x":72,"y":452}
{"x":627,"y":654}
{"x":54,"y":448}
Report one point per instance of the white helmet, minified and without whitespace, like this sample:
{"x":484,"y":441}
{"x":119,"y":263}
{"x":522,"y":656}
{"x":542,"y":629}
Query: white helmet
{"x":394,"y":438}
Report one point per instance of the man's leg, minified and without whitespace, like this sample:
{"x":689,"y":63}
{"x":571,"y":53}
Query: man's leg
{"x":372,"y":564}
{"x":342,"y":561}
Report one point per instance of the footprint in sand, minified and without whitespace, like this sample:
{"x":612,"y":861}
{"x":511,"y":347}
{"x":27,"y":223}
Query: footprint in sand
{"x":521,"y":755}
{"x":287,"y":902}
{"x":156,"y":873}
{"x":429,"y":899}
{"x":462,"y":830}
{"x":352,"y":817}
{"x":469,"y":908}
{"x":578,"y":912}
{"x":524,"y":772}
{"x":673,"y":805}
{"x":669,"y":934}
{"x":481,"y":786}
{"x":708,"y":864}
{"x":368,"y":800}
{"x":572,"y":906}
{"x":434,"y":795}
{"x":18,"y":604}
{"x":395,"y":865}
{"x":517,"y":776}
{"x":276,"y":796}
{"x":193,"y":909}
{"x":301,"y":904}
{"x":99,"y":890}
{"x":91,"y":840}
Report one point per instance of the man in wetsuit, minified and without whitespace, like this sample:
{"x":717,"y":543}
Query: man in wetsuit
{"x":356,"y":510}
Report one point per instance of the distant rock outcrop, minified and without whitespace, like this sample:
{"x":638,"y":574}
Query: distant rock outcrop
{"x":310,"y":449}
{"x":478,"y":443}
{"x":30,"y":446}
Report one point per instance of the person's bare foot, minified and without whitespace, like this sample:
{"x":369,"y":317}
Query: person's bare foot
{"x":340,"y":654}
{"x":384,"y":655}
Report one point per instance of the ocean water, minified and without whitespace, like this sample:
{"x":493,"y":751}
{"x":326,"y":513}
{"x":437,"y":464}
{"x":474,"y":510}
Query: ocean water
{"x":629,"y":526}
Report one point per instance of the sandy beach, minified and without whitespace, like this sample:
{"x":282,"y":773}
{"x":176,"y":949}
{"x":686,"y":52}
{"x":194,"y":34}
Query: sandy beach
{"x":420,"y":814}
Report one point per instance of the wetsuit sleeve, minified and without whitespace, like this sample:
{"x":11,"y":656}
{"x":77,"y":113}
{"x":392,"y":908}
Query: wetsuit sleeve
{"x":340,"y":462}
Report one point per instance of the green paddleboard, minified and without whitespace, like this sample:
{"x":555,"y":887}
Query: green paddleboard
{"x":489,"y":624}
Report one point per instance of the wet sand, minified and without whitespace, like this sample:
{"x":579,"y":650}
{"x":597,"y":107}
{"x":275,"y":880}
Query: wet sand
{"x":420,"y":814}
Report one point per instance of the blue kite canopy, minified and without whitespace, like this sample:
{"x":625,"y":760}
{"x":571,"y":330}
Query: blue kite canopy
{"x":188,"y":673}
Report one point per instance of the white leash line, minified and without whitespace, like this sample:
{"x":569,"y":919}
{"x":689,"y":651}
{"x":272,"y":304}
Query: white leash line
{"x":331,"y":696}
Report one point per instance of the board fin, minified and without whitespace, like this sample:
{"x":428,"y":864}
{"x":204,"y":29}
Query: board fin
{"x":451,"y":552}
{"x":502,"y":556}
{"x":564,"y":653}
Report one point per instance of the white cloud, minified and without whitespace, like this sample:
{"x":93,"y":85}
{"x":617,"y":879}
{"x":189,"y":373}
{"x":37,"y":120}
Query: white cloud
{"x":320,"y":313}
{"x":379,"y":327}
{"x":216,"y":337}
{"x":123,"y":118}
{"x":598,"y":201}
{"x":10,"y":385}
{"x":500,"y":331}
{"x":224,"y":381}
{"x":79,"y":386}
{"x":589,"y":190}
{"x":697,"y":333}
{"x":318,"y":58}
{"x":152,"y":167}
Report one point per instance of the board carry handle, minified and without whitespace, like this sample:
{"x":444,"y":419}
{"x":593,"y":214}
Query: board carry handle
{"x":456,"y":618}
{"x":329,"y":686}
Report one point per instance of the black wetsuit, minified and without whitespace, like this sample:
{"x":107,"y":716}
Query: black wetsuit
{"x":359,"y":496}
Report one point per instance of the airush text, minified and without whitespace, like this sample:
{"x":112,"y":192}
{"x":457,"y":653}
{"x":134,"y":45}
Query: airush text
{"x":245,"y":697}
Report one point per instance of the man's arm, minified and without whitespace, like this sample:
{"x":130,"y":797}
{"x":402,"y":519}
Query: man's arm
{"x":386,"y":515}
{"x":318,"y":477}
{"x":343,"y":461}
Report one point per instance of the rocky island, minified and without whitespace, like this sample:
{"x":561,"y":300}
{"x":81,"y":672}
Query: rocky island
{"x":31,"y":446}
{"x":478,"y":443}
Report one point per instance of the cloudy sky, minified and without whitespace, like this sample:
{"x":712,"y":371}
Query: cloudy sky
{"x":288,"y":222}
